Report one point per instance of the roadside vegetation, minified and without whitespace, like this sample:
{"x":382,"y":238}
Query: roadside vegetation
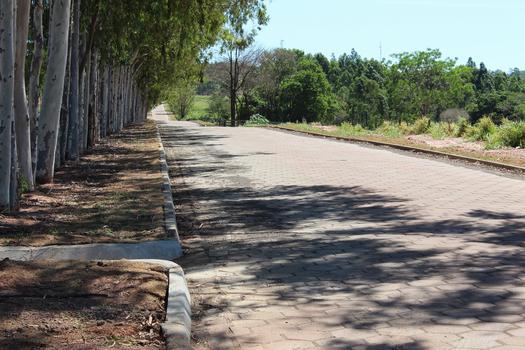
{"x":418,"y":97}
{"x":507,"y":134}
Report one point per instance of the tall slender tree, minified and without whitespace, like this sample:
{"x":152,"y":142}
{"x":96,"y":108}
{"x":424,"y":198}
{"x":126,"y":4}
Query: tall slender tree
{"x":53,"y":89}
{"x":7,"y":71}
{"x":22,"y":124}
{"x":73,"y":142}
{"x":34,"y":76}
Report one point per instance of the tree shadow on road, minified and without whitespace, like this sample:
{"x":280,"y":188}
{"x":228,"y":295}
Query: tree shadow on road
{"x":355,"y":257}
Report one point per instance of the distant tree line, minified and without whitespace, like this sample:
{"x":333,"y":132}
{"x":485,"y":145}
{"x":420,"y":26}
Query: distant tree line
{"x":289,"y":85}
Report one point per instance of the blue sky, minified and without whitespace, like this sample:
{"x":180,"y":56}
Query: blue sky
{"x":491,"y":31}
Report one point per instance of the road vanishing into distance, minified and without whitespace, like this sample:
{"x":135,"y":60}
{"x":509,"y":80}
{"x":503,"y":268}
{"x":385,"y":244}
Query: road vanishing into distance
{"x":296,"y":242}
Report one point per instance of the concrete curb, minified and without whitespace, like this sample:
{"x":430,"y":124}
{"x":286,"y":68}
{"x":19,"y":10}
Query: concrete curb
{"x":167,"y":249}
{"x":473,"y":160}
{"x":169,"y":208}
{"x":177,"y":326}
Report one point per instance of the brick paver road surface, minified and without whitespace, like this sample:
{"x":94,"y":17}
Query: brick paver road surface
{"x":304,"y":243}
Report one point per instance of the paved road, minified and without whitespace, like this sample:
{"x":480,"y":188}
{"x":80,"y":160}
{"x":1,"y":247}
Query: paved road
{"x":303,"y":243}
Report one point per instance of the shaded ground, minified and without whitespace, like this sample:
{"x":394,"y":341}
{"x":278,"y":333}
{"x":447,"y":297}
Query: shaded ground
{"x":81,"y":305}
{"x":302,"y":243}
{"x":111,"y":195}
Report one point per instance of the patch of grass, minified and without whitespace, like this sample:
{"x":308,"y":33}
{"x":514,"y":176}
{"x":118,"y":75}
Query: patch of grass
{"x":389,"y":129}
{"x":348,"y":129}
{"x":199,"y":107}
{"x":420,"y":126}
{"x":440,"y":130}
{"x":482,"y":130}
{"x":509,"y":134}
{"x":461,"y":127}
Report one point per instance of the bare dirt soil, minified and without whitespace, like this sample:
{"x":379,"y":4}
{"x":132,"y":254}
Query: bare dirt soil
{"x":81,"y":305}
{"x":113,"y":194}
{"x":506,"y":154}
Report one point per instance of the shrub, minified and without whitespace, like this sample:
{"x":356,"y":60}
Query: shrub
{"x":439,"y":130}
{"x":405,"y":128}
{"x":257,"y":119}
{"x":351,"y":129}
{"x":482,"y":130}
{"x":509,"y":134}
{"x":461,"y":127}
{"x":389,"y":129}
{"x":420,"y":126}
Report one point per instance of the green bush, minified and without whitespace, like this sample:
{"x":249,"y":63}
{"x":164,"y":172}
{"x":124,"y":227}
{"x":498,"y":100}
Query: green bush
{"x":461,"y":127}
{"x":482,"y":130}
{"x":257,"y":119}
{"x":351,"y":129}
{"x":420,"y":126}
{"x":509,"y":134}
{"x":389,"y":129}
{"x":438,"y":130}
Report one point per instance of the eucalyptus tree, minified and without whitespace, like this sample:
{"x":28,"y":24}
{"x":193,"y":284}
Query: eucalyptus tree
{"x":7,"y":69}
{"x":22,"y":125}
{"x":123,"y":54}
{"x":53,"y":89}
{"x":73,"y":124}
{"x":34,"y":76}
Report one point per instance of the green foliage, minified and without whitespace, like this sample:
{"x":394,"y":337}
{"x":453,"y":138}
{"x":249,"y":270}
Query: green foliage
{"x":218,"y":107}
{"x":180,"y":97}
{"x":348,"y":129}
{"x":421,"y":126}
{"x":257,"y":120}
{"x":306,"y":94}
{"x":200,"y":106}
{"x":289,"y":85}
{"x":440,"y":130}
{"x":509,"y":134}
{"x":390,"y":129}
{"x":482,"y":130}
{"x":461,"y":127}
{"x":23,"y":185}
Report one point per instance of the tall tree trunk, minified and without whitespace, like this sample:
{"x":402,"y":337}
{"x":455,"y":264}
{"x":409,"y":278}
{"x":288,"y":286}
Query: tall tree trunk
{"x":13,"y":186}
{"x":73,"y":144}
{"x":7,"y":71}
{"x":22,"y":127}
{"x":34,"y":78}
{"x":86,"y":92}
{"x":53,"y":89}
{"x":104,"y":105}
{"x":233,"y":108}
{"x":64,"y":123}
{"x":93,"y":120}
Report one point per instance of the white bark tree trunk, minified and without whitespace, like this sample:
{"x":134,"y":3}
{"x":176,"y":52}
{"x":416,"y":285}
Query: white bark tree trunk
{"x":22,"y":125}
{"x":53,"y":89}
{"x":34,"y":78}
{"x":7,"y":71}
{"x":85,"y":120}
{"x":73,"y":139}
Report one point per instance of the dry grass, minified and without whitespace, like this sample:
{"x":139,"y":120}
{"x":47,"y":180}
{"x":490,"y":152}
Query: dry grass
{"x":113,"y":194}
{"x":81,"y":305}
